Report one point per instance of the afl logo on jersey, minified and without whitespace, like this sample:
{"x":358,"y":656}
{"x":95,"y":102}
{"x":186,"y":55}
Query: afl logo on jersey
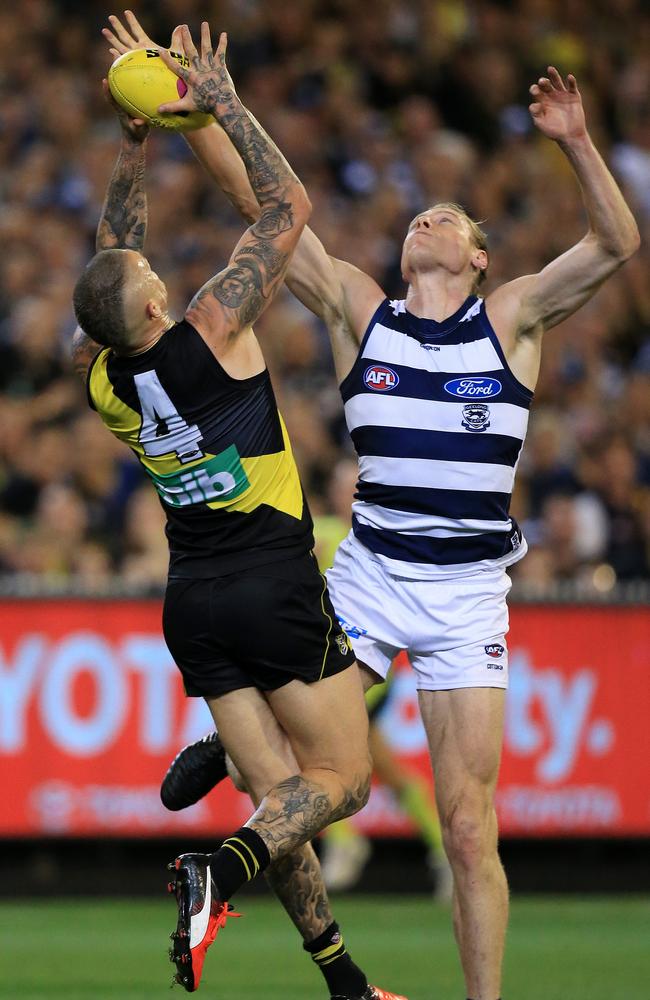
{"x":476,"y":417}
{"x":495,"y":650}
{"x":473,"y":388}
{"x":380,"y":378}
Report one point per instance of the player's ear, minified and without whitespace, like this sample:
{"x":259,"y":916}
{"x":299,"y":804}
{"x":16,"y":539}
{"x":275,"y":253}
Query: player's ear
{"x":153,"y":309}
{"x":480,"y":259}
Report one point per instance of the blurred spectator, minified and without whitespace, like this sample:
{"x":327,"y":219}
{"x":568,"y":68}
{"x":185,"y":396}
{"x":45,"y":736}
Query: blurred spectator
{"x":382,"y":110}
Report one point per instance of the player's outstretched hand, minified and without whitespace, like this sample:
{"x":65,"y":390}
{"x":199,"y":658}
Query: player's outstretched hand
{"x":209,"y":85}
{"x":557,"y":107}
{"x":135,"y":129}
{"x":120,"y":40}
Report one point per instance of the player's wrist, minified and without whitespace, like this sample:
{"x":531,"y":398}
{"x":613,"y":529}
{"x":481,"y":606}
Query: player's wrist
{"x":581,"y":140}
{"x":131,"y":141}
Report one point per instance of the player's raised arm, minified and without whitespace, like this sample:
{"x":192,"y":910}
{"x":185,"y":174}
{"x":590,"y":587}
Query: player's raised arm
{"x":342,"y":295}
{"x":123,"y":222}
{"x":534,"y":303}
{"x":235,"y":297}
{"x":339,"y":293}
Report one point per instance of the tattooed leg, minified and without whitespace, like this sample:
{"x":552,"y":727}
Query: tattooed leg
{"x":298,"y":808}
{"x":297,"y":882}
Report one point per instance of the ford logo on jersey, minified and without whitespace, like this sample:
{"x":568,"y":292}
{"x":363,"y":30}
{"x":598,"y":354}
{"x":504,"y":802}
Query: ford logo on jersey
{"x":380,"y":378}
{"x":473,"y":388}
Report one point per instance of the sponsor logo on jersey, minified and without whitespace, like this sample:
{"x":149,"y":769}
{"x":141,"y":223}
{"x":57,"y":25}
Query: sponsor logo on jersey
{"x":380,"y":378}
{"x":494,"y":666}
{"x":476,"y":417}
{"x":219,"y":478}
{"x":473,"y":388}
{"x":495,"y":649}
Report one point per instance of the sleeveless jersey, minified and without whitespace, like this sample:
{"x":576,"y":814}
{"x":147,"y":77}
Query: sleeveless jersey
{"x":438,"y":421}
{"x":215,"y":448}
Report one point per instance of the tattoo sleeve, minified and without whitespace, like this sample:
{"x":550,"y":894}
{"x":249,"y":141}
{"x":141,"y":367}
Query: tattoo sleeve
{"x":82,"y":351}
{"x":259,"y":262}
{"x":297,"y":881}
{"x":296,"y":809}
{"x":123,"y":223}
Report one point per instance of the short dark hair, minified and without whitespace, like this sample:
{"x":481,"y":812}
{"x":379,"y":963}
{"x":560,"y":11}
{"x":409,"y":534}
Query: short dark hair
{"x":98,"y":299}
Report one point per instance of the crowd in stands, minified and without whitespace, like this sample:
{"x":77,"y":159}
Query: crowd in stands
{"x":382,"y":109}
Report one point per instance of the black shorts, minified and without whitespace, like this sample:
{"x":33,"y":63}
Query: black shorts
{"x":261,"y":627}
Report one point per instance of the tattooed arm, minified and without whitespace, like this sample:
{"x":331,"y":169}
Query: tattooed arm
{"x":234,"y":298}
{"x":83,"y":350}
{"x":123,"y":223}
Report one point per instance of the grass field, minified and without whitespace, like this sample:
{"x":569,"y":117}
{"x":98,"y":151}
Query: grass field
{"x":559,"y":949}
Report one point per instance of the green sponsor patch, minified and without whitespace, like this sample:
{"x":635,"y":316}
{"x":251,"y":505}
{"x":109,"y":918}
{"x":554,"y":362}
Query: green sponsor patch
{"x":218,"y":478}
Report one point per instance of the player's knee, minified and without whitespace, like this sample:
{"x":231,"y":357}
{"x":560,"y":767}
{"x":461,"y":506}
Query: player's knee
{"x":468,"y":836}
{"x":356,"y":789}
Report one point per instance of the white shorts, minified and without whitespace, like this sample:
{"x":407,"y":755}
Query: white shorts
{"x":452,"y":630}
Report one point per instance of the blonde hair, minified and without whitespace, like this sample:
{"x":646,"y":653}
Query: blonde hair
{"x":478,"y":235}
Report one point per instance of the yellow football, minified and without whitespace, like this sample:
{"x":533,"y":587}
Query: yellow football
{"x":140,"y":82}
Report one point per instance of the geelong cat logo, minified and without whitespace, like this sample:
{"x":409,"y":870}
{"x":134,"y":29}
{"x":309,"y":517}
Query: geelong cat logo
{"x":476,"y":417}
{"x":380,"y":378}
{"x":473,"y":388}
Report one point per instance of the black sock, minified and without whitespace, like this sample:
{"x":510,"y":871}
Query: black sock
{"x":343,"y":977}
{"x":239,"y":859}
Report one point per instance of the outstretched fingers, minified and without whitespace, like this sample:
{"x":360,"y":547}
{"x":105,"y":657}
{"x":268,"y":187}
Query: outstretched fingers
{"x":206,"y":44}
{"x":189,"y":46}
{"x":555,"y":78}
{"x":176,"y":44}
{"x":117,"y":48}
{"x":221,"y":48}
{"x":573,"y":83}
{"x":138,"y":32}
{"x":119,"y":36}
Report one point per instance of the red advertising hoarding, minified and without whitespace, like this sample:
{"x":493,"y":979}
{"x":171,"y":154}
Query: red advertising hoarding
{"x":92,"y":710}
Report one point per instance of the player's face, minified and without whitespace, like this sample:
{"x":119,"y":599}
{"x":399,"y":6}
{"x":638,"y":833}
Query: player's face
{"x":437,"y":237}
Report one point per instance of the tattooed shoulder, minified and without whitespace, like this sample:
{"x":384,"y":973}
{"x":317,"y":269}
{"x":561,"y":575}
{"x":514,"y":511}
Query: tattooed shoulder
{"x":83,"y":350}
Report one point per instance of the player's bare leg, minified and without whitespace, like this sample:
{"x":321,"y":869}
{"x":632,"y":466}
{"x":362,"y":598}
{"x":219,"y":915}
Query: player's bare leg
{"x":296,"y":877}
{"x":327,"y":726}
{"x":465,"y":729}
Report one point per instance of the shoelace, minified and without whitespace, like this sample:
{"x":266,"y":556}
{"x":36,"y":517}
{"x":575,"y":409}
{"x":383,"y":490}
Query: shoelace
{"x":227,"y":910}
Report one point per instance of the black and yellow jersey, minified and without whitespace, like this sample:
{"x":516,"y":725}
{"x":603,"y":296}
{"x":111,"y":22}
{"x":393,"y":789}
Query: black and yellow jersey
{"x":216,"y":449}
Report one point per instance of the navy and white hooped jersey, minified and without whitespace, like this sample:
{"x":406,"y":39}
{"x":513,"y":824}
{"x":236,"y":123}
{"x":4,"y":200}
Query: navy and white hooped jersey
{"x":438,"y":421}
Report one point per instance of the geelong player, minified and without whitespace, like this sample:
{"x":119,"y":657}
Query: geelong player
{"x":437,"y":388}
{"x":247,"y":616}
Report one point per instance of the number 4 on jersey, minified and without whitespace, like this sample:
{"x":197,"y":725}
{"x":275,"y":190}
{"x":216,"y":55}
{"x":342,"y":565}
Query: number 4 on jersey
{"x":163,"y":429}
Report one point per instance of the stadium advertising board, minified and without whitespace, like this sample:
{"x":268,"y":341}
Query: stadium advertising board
{"x":92,"y":710}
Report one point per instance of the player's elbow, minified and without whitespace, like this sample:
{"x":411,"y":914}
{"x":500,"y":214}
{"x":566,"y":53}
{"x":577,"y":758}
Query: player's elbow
{"x":631,"y":245}
{"x":623,"y":245}
{"x":301,"y":205}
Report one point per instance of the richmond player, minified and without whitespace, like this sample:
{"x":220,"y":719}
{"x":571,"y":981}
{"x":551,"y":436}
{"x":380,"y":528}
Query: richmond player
{"x":247,"y":616}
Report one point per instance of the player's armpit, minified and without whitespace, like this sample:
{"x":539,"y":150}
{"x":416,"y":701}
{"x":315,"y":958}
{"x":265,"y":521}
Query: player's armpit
{"x":339,"y":293}
{"x":83,"y":351}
